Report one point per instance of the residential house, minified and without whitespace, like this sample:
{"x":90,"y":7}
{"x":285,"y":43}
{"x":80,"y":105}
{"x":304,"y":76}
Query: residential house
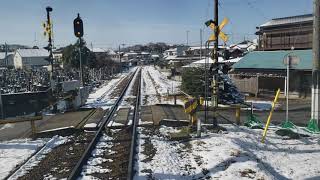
{"x":30,"y":58}
{"x":285,"y":33}
{"x":263,"y":72}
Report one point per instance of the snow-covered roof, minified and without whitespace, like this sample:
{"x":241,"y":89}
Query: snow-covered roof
{"x":171,"y":50}
{"x":288,"y":20}
{"x":97,"y":50}
{"x":3,"y":54}
{"x":131,"y":53}
{"x":102,"y":50}
{"x":111,"y":52}
{"x":33,"y":52}
{"x":204,"y":47}
{"x":170,"y":57}
{"x":210,"y":61}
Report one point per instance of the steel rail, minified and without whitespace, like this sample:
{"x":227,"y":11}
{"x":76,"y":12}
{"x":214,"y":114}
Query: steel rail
{"x":135,"y":123}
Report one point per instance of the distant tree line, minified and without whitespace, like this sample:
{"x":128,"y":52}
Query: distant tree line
{"x":70,"y":56}
{"x":100,"y":63}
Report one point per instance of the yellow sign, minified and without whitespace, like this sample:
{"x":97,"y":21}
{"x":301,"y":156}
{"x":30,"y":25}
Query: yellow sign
{"x":47,"y":28}
{"x":222,"y":35}
{"x":190,"y":106}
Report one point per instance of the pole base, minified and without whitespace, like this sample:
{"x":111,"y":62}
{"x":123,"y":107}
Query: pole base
{"x":313,"y":126}
{"x":253,"y":122}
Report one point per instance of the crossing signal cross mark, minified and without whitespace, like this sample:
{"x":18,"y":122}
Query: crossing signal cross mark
{"x":222,"y":35}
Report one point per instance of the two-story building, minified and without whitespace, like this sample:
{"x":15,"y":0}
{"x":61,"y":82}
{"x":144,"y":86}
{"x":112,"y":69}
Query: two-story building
{"x":263,"y":71}
{"x":284,"y":33}
{"x":30,"y":58}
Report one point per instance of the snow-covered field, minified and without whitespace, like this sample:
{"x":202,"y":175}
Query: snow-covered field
{"x":235,"y":154}
{"x":15,"y":152}
{"x":156,"y":86}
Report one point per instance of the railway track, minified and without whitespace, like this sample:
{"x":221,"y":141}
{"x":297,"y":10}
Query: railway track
{"x":121,"y":141}
{"x":72,"y":159}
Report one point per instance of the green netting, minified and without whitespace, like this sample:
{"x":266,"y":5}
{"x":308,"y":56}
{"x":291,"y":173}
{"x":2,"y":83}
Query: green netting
{"x":253,"y":122}
{"x":313,"y":126}
{"x":288,"y":129}
{"x":288,"y":125}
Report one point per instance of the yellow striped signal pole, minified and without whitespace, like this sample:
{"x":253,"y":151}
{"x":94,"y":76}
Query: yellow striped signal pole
{"x":270,"y":115}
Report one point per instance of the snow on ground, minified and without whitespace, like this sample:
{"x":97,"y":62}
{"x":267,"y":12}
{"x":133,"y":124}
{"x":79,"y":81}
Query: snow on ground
{"x":100,"y":98}
{"x":15,"y":152}
{"x":94,"y":163}
{"x":156,"y":85}
{"x":235,"y":154}
{"x":24,"y":150}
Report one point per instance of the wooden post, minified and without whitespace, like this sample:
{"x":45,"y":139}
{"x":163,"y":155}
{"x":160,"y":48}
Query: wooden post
{"x":257,"y":84}
{"x":238,"y":115}
{"x":175,"y":99}
{"x":33,"y":128}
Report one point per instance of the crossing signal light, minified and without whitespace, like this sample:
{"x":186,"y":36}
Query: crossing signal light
{"x":78,"y":27}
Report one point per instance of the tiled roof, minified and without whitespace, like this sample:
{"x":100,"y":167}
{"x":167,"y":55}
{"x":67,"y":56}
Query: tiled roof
{"x":33,"y":52}
{"x":288,"y":20}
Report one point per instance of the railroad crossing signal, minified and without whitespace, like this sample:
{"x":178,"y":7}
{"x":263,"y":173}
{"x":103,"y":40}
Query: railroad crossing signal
{"x":47,"y":28}
{"x":78,"y":26}
{"x":190,"y":105}
{"x":222,"y":35}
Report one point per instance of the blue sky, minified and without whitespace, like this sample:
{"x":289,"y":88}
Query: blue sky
{"x":109,"y":23}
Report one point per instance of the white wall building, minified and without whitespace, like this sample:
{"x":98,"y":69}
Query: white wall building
{"x":30,"y":58}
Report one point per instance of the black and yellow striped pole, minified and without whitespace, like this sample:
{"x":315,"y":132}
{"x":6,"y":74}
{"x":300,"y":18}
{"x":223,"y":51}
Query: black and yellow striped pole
{"x":48,"y":32}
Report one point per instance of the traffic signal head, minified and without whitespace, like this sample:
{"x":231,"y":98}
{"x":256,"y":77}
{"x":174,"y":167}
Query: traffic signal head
{"x":78,"y":27}
{"x":208,"y":23}
{"x":49,"y":9}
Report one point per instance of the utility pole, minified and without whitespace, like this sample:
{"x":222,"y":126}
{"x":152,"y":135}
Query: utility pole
{"x":81,"y":69}
{"x":6,"y":55}
{"x":188,"y":38}
{"x":120,"y":60}
{"x":49,"y":47}
{"x":316,"y":65}
{"x":215,"y":62}
{"x":121,"y":56}
{"x":1,"y":106}
{"x":200,"y":44}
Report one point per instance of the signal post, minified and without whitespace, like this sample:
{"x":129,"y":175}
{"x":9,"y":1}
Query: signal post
{"x":78,"y":32}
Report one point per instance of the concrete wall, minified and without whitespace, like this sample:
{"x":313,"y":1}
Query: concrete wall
{"x":19,"y":104}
